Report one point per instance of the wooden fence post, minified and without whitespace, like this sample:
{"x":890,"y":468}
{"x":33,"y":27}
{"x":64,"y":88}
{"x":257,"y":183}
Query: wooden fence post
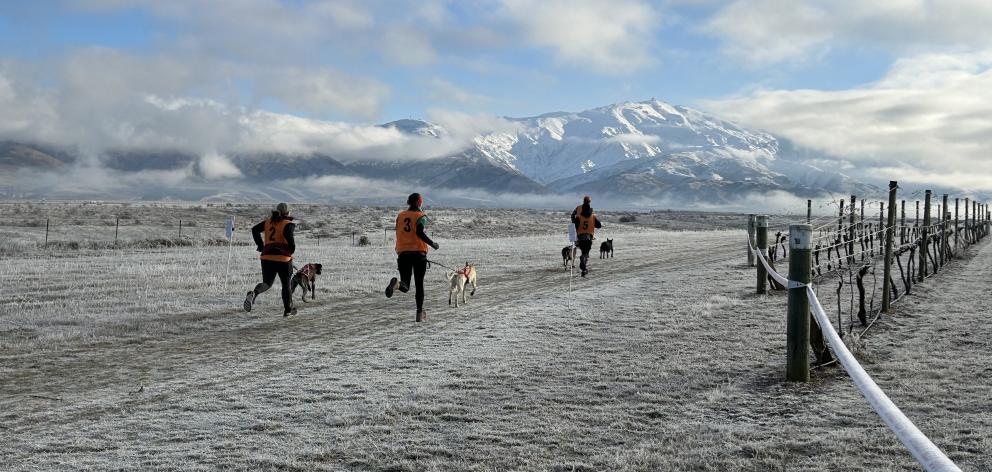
{"x":967,"y":205}
{"x":840,"y":222}
{"x":957,"y":229}
{"x":797,"y":328}
{"x":761,"y":225}
{"x":924,"y":233}
{"x":180,"y":228}
{"x":46,"y":232}
{"x":851,"y":233}
{"x":889,"y":240}
{"x":945,"y":248}
{"x":750,"y":239}
{"x":902,"y":225}
{"x":809,"y":211}
{"x":116,"y":227}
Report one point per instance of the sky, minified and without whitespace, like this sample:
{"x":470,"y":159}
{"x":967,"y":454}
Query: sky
{"x":904,"y":86}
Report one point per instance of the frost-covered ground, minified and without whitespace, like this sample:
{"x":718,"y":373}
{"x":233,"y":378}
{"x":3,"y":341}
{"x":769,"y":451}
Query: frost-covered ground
{"x":661,"y":360}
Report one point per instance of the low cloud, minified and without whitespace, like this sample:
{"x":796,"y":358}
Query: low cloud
{"x":638,"y":139}
{"x":215,"y":166}
{"x":320,"y":91}
{"x":151,"y":104}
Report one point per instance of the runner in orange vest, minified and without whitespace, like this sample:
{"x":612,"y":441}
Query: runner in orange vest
{"x":274,"y":239}
{"x":586,"y":223}
{"x":411,"y":250}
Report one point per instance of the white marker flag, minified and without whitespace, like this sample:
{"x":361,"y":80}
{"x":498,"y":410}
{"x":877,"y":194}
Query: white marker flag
{"x":229,"y":230}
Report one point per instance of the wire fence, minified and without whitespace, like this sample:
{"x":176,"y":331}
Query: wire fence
{"x":849,"y":258}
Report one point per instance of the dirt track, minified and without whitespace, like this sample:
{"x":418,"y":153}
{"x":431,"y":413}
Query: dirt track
{"x":654,"y":366}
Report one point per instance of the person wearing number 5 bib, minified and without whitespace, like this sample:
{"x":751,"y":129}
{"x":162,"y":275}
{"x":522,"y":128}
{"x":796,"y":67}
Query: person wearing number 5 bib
{"x":586,"y":223}
{"x":412,"y":245}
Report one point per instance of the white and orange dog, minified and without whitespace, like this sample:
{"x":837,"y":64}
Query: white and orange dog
{"x":459,"y":281}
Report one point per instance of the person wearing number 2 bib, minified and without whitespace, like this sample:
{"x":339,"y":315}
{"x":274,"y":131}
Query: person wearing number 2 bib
{"x":412,"y":244}
{"x":274,"y":239}
{"x":586,"y":223}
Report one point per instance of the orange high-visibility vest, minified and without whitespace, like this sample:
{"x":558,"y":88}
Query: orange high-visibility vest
{"x":406,"y":232}
{"x":585,"y":224}
{"x":276,"y":247}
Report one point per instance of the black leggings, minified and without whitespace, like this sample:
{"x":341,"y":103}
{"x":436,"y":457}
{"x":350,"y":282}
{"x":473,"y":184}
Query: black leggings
{"x":285,"y":272}
{"x":413,"y":263}
{"x":585,"y":245}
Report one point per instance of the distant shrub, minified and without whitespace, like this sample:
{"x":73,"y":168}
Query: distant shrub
{"x":628,"y":218}
{"x":364,"y":241}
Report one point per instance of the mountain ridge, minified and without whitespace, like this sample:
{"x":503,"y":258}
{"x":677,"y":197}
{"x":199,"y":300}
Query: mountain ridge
{"x":634,"y":150}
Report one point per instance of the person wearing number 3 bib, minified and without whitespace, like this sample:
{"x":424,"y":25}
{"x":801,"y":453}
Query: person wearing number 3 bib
{"x":274,"y":239}
{"x":412,"y":244}
{"x":586,"y":223}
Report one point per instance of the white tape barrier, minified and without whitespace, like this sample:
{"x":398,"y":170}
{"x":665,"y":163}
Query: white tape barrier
{"x":761,"y":257}
{"x":925,"y":451}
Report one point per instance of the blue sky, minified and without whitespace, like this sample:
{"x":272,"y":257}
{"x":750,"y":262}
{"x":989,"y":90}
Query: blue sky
{"x":686,"y":63}
{"x":900,"y":85}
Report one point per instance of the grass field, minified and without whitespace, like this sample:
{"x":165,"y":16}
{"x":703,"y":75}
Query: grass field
{"x":662,"y":359}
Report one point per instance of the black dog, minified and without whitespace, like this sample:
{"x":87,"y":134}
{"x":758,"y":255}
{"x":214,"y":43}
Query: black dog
{"x":306,"y":278}
{"x":566,"y":255}
{"x":606,"y":249}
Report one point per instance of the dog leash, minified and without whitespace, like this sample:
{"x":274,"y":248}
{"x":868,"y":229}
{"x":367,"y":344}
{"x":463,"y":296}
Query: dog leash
{"x":430,"y":262}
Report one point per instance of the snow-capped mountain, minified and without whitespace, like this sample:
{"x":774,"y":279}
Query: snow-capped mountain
{"x":650,"y":149}
{"x":632,"y":151}
{"x":555,"y":146}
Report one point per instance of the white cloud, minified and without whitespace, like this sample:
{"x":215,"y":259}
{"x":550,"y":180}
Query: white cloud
{"x":466,"y":126}
{"x":928,"y":120}
{"x":283,"y":32}
{"x":322,"y":91}
{"x":611,"y":37}
{"x":637,"y":139}
{"x":769,"y":31}
{"x":216,"y":166}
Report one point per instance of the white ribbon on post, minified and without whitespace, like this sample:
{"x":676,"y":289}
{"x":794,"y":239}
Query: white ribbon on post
{"x":925,"y":451}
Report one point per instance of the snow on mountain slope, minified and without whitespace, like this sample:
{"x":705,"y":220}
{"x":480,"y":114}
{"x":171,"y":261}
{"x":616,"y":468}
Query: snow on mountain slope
{"x":560,"y":145}
{"x":650,"y":147}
